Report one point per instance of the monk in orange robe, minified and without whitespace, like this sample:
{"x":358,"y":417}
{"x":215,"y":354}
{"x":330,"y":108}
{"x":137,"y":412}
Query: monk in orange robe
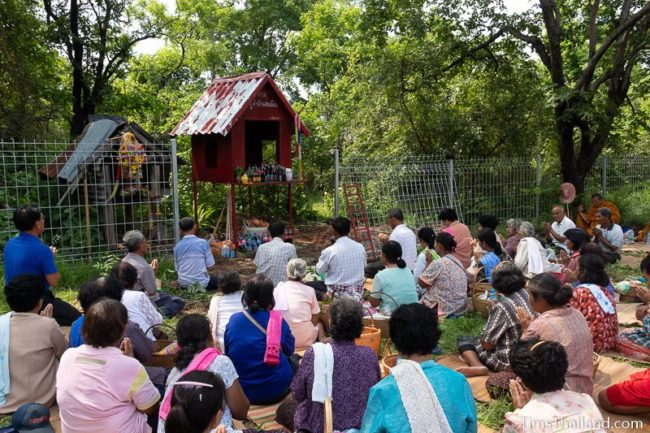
{"x":587,"y":221}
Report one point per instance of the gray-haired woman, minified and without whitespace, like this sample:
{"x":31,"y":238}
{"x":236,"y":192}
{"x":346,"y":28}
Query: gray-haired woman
{"x":299,"y":305}
{"x":512,"y":225}
{"x":530,"y":257}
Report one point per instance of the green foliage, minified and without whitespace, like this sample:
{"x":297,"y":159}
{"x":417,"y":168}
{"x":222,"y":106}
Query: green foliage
{"x":492,"y":415}
{"x":470,"y":324}
{"x":634,"y":203}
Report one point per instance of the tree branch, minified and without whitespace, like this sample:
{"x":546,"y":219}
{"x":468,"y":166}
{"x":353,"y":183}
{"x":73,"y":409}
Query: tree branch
{"x":536,"y":43}
{"x":585,"y":78}
{"x":593,"y":32}
{"x":472,"y":51}
{"x":553,"y":24}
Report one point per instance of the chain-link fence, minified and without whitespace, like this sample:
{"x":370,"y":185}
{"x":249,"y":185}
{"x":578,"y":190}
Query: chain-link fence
{"x":525,"y":188}
{"x":91,"y":193}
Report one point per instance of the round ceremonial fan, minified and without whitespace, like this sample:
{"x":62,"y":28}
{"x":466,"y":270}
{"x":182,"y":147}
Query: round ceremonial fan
{"x":567,"y":193}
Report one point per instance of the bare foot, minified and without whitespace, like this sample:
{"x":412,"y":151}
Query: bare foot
{"x":473,"y":371}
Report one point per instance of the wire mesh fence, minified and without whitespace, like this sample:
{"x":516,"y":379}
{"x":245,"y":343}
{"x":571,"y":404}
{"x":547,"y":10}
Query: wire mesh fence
{"x":507,"y":188}
{"x":91,"y":193}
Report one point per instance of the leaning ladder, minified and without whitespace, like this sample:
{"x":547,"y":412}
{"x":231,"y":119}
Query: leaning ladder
{"x":358,"y":218}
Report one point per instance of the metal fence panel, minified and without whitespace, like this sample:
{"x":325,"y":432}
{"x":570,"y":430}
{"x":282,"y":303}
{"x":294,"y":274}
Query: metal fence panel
{"x":112,"y":192}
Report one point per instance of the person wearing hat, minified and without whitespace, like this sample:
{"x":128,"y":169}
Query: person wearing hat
{"x":138,"y":247}
{"x":31,"y":418}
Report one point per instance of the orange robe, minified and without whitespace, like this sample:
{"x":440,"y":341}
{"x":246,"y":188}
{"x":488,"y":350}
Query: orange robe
{"x":591,"y":215}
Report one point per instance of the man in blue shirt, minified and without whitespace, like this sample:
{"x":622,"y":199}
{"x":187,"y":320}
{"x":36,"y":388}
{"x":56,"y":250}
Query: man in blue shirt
{"x":193,"y":258}
{"x":27,"y":254}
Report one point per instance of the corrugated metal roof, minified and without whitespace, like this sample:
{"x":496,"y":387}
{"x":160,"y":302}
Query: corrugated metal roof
{"x":222,"y":104}
{"x":95,"y":135}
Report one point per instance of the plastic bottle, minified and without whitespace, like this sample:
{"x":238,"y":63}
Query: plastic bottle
{"x":493,"y":294}
{"x":225,"y":251}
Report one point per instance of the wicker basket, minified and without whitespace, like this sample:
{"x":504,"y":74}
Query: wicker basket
{"x":479,"y":286}
{"x":481,"y":306}
{"x":380,"y":323}
{"x":159,"y":358}
{"x":596,"y":358}
{"x":387,"y":364}
{"x":370,"y":337}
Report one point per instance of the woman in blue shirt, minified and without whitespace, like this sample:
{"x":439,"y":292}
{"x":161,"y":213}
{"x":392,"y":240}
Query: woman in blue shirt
{"x":245,"y":344}
{"x":440,"y":396}
{"x":488,"y":242}
{"x":394,"y":285}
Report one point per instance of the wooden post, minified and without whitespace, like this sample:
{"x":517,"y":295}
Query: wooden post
{"x":195,"y":195}
{"x":233,"y":214}
{"x":87,"y":206}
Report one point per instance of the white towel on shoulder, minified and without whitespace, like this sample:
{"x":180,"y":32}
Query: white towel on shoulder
{"x":423,"y":409}
{"x":280,"y":296}
{"x":5,"y":378}
{"x":535,"y":260}
{"x":323,"y":372}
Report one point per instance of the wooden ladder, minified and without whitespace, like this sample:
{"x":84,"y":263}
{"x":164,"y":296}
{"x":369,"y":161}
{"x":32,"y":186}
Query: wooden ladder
{"x":356,"y":210}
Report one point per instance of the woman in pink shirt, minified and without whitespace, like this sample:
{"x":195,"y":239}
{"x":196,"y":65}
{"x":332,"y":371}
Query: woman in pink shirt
{"x":299,"y":305}
{"x":101,"y":387}
{"x":461,"y":234}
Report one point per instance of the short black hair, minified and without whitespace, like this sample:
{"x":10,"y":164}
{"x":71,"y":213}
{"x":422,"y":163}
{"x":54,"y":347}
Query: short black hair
{"x":645,"y":264}
{"x":258,"y":293}
{"x":104,"y":323}
{"x":341,"y":225}
{"x":428,"y":235}
{"x":507,"y":278}
{"x":186,"y":224}
{"x":591,"y":270}
{"x":597,"y":194}
{"x":446,"y":240}
{"x":396,"y":213}
{"x":448,"y":214}
{"x":98,"y":288}
{"x":126,"y":273}
{"x":25,"y":217}
{"x":392,"y":250}
{"x":193,"y":407}
{"x":541,"y":365}
{"x":23,"y":292}
{"x":488,"y":221}
{"x":276,"y":229}
{"x":193,"y":335}
{"x":546,"y":286}
{"x":230,"y":282}
{"x":414,"y":329}
{"x":346,"y":316}
{"x":578,"y":237}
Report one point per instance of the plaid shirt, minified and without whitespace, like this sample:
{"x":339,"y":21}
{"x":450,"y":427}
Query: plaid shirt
{"x":503,"y":330}
{"x":343,"y":262}
{"x":272,"y":257}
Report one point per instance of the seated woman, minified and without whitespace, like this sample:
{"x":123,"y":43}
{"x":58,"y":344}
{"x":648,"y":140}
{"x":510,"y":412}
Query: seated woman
{"x":558,"y":321}
{"x":197,"y":404}
{"x":101,"y":387}
{"x":512,"y":226}
{"x":393,"y":286}
{"x":32,"y":344}
{"x":223,"y":306}
{"x":299,"y":305}
{"x":353,"y":372}
{"x":492,"y":350}
{"x":427,"y":239}
{"x":109,"y":287}
{"x":419,"y":395}
{"x":538,"y":395}
{"x":530,"y":257}
{"x":260,"y":344}
{"x":636,"y":342}
{"x":140,"y":307}
{"x":575,"y":240}
{"x":197,"y":353}
{"x":630,"y":397}
{"x":488,"y":242}
{"x":594,"y":301}
{"x":445,"y":280}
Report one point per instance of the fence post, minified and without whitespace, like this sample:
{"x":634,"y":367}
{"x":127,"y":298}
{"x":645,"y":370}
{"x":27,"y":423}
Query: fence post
{"x":175,"y":191}
{"x":603,"y":177}
{"x":538,"y":181}
{"x":336,"y":182}
{"x":450,"y":167}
